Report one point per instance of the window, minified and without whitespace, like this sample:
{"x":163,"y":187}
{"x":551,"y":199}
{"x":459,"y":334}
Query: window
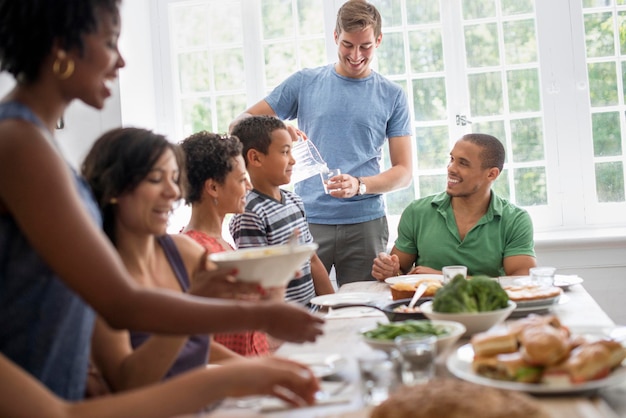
{"x":546,"y":77}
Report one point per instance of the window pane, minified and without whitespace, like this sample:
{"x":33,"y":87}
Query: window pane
{"x":432,"y":184}
{"x":390,"y":11}
{"x":277,"y":19}
{"x":523,"y":86}
{"x":422,"y":11}
{"x":514,"y":7}
{"x":433,"y":150}
{"x":602,"y":84}
{"x":429,"y":99}
{"x":194,"y":71}
{"x":279,"y":62}
{"x":390,"y":55}
{"x":481,"y":42}
{"x":530,"y":186}
{"x":501,"y":185}
{"x":485,"y":94}
{"x":527,"y":138}
{"x":476,"y":9}
{"x":312,"y":53}
{"x":610,"y":182}
{"x":190,"y":26}
{"x":311,"y":18}
{"x":607,"y":140}
{"x":229,"y":69}
{"x":196,"y":116}
{"x":495,"y":128}
{"x":520,"y":44}
{"x":397,"y":201}
{"x":228,"y":107}
{"x":599,"y":35}
{"x":426,"y":50}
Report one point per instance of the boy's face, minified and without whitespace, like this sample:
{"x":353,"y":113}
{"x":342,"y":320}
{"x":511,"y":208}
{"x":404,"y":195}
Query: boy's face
{"x":278,"y":162}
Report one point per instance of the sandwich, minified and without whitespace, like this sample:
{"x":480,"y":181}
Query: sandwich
{"x":544,"y":345}
{"x":508,"y":366}
{"x":487,"y":344}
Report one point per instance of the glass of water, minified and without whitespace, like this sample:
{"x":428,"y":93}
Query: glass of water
{"x":378,"y":377}
{"x":418,"y":353}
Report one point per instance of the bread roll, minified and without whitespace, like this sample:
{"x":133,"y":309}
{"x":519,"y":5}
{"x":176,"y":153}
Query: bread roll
{"x":588,"y":362}
{"x":543,"y":345}
{"x":489,"y":344}
{"x":452,"y":398}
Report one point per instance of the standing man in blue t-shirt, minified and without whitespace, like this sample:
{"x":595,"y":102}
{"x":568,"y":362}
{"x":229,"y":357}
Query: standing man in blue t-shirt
{"x":348,"y":111}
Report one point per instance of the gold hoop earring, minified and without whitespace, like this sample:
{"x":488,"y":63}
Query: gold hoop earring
{"x":215,"y":201}
{"x":69,"y":66}
{"x":113,"y":201}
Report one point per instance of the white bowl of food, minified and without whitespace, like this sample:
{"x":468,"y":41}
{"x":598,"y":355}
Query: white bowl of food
{"x":270,"y":266}
{"x":381,"y":337}
{"x":474,"y":321}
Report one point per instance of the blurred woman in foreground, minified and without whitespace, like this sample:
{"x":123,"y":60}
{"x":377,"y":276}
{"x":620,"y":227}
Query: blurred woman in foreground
{"x":55,"y":262}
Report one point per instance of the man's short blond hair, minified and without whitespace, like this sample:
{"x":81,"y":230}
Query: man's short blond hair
{"x":358,"y":15}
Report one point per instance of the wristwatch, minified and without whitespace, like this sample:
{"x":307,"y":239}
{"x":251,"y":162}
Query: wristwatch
{"x":362,"y":188}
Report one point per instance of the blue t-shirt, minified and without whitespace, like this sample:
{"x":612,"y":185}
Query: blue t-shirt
{"x":349,"y":121}
{"x":45,"y":328}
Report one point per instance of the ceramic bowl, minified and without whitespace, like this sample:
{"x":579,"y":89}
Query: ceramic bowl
{"x":444,"y":342}
{"x":474,"y":322}
{"x":269,"y":266}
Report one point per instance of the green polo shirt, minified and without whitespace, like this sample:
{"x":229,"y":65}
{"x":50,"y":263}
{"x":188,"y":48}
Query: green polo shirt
{"x":428,"y":228}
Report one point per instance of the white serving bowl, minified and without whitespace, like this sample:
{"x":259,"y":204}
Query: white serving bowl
{"x":455,"y":330}
{"x":270,"y":266}
{"x":474,"y":322}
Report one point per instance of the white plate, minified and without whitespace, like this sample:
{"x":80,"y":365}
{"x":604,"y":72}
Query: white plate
{"x":347,"y":297}
{"x":322,"y":364}
{"x":412,"y":278}
{"x":565,"y":281}
{"x":538,"y":307}
{"x":460,"y":364}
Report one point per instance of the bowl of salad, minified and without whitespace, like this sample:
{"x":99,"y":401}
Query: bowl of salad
{"x":478,"y":303}
{"x":382,"y":336}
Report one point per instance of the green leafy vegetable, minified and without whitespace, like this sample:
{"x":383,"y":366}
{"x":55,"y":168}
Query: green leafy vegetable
{"x":478,"y":294}
{"x":388,"y":332}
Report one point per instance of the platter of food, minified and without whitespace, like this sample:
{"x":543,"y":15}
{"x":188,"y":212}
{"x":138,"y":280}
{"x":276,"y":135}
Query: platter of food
{"x":403,"y":287}
{"x":539,"y":356}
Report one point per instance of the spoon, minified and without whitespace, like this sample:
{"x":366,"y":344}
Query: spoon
{"x":418,"y":294}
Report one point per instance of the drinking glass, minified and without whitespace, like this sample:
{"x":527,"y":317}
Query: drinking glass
{"x":450,"y":272}
{"x":327,"y":175}
{"x":378,"y":377}
{"x":418,"y":353}
{"x":542,"y":276}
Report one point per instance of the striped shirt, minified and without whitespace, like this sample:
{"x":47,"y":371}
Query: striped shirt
{"x":267,"y":221}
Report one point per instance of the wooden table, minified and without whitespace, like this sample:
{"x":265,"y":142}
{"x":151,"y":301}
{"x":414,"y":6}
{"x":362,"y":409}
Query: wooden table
{"x":342,"y":336}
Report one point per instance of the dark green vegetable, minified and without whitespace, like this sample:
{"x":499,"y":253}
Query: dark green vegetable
{"x":388,"y":332}
{"x":478,"y":294}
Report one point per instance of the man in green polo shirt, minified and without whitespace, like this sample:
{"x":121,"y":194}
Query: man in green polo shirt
{"x":468,"y":224}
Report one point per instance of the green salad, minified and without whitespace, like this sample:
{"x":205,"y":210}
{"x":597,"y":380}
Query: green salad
{"x":388,"y":332}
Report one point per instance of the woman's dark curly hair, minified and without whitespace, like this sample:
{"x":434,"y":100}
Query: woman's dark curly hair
{"x":118,"y":161}
{"x":28,"y":29}
{"x":207,"y":156}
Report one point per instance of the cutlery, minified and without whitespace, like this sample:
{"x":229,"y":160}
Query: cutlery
{"x":418,"y":294}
